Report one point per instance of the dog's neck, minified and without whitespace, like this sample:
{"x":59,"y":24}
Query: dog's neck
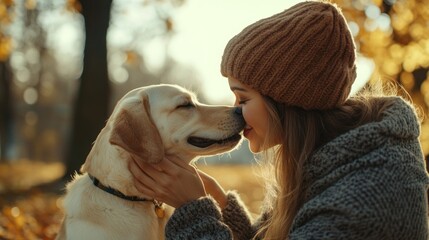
{"x":115,"y":192}
{"x":110,"y":166}
{"x":159,"y":208}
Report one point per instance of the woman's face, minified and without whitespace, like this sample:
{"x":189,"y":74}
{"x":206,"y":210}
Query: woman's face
{"x":255,"y":113}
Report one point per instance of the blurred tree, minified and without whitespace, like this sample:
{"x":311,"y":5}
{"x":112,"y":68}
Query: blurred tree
{"x":27,"y":66}
{"x":5,"y":79}
{"x":5,"y":108}
{"x":91,"y":108}
{"x":395,"y":34}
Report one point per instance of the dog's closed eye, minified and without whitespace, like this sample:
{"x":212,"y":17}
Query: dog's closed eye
{"x":186,"y":105}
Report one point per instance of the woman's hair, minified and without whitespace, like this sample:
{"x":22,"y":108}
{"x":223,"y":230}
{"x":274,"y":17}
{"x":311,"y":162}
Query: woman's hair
{"x":300,"y":133}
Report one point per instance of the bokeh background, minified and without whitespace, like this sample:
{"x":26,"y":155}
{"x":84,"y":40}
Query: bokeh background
{"x":65,"y":63}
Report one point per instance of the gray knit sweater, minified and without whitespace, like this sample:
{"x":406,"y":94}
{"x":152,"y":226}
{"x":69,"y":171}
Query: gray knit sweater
{"x":369,"y":183}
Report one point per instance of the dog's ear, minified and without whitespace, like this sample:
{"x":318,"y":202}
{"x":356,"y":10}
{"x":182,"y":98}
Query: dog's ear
{"x":134,"y":131}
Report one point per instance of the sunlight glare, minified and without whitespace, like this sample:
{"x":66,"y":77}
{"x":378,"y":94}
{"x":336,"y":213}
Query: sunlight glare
{"x":30,"y":96}
{"x":365,"y":68}
{"x":203,"y":29}
{"x":154,"y":53}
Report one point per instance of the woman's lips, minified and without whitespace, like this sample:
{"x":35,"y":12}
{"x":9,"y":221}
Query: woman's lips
{"x":246,"y":131}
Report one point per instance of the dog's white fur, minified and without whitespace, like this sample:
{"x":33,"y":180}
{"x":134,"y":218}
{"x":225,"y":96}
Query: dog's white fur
{"x":147,"y":124}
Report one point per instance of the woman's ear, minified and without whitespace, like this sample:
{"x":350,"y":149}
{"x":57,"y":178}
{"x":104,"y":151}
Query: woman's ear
{"x":135,"y":132}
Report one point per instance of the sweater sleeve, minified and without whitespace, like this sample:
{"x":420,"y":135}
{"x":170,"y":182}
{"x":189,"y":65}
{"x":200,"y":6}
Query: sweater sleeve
{"x":237,"y":217}
{"x":202,"y":219}
{"x":199,"y":219}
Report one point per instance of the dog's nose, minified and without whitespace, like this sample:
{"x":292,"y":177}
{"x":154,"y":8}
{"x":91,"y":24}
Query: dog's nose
{"x":238,"y":111}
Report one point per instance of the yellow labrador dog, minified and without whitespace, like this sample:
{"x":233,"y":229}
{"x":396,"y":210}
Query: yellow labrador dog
{"x":146,"y":124}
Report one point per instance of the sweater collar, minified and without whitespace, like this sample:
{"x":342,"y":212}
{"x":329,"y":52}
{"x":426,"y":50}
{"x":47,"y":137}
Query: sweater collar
{"x":399,"y":121}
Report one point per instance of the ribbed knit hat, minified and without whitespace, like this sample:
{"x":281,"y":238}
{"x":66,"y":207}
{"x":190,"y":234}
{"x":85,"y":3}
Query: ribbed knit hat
{"x":303,"y":56}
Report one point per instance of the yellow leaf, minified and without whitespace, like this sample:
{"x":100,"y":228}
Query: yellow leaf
{"x":407,"y":80}
{"x":5,"y":48}
{"x":377,"y":2}
{"x":169,"y":24}
{"x":30,"y":4}
{"x":131,"y":57}
{"x":73,"y":6}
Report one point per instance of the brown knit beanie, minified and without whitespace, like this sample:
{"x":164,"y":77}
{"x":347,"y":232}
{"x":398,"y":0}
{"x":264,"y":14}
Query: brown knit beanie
{"x":303,"y":56}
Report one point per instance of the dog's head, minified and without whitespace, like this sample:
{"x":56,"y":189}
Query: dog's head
{"x":151,"y":122}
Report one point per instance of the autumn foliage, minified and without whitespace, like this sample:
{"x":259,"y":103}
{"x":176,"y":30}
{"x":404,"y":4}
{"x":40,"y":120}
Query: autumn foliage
{"x":32,"y":216}
{"x":394,"y":34}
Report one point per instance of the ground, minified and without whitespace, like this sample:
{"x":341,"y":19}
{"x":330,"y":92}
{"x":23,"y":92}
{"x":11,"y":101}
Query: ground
{"x":31,"y":212}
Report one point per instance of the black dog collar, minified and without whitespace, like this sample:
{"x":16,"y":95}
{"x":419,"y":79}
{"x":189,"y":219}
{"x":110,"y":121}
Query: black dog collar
{"x":159,"y":210}
{"x":115,"y":192}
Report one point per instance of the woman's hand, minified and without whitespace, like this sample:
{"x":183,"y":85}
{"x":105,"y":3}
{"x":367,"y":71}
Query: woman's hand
{"x":213,"y":188}
{"x":170,"y":181}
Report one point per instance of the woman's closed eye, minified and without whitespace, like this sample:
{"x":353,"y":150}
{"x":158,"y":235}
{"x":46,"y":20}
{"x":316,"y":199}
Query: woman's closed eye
{"x":241,"y":102}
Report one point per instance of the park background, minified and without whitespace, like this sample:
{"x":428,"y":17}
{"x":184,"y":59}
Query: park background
{"x":65,"y":63}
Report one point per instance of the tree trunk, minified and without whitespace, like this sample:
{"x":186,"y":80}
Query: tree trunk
{"x":91,"y":108}
{"x":5,"y":109}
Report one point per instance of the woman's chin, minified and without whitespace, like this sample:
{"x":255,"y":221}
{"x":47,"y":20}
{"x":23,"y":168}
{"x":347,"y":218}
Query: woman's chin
{"x":254,"y":148}
{"x":257,"y":148}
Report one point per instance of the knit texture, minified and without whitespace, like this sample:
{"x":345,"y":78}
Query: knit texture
{"x":199,"y":219}
{"x":303,"y":56}
{"x":241,"y":227}
{"x":369,"y":183}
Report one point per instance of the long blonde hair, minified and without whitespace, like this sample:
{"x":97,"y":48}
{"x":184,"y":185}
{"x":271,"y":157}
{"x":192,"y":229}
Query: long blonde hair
{"x":300,"y":133}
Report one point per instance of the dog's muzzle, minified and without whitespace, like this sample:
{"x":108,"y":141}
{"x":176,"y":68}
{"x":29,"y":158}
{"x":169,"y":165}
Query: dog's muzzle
{"x":236,"y":128}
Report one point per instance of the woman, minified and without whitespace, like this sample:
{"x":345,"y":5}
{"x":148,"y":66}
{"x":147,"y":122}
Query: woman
{"x":343,"y":167}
